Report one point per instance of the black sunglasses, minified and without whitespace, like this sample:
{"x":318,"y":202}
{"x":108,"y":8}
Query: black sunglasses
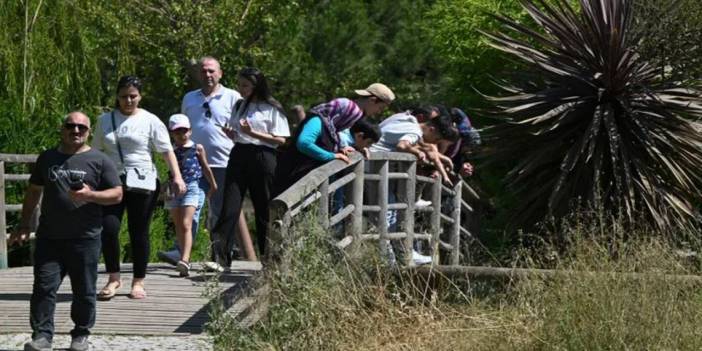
{"x":181,"y":130}
{"x":206,"y":106}
{"x":72,"y":126}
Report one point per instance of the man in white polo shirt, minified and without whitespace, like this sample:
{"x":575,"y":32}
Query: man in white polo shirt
{"x":209,"y":108}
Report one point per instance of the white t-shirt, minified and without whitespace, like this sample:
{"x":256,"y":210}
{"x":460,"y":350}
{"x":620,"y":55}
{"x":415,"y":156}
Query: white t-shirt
{"x":262,"y":117}
{"x":206,"y":130}
{"x":139,"y":136}
{"x":398,"y":127}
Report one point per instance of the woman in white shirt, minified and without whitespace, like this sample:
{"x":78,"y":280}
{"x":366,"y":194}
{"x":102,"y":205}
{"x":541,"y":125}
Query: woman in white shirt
{"x":258,"y":126}
{"x":130,"y":135}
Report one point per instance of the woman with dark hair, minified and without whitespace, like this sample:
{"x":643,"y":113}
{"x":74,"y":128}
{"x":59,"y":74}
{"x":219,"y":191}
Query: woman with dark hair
{"x":258,"y":126}
{"x":129,"y":135}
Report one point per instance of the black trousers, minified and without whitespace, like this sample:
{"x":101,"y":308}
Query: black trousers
{"x":250,"y":168}
{"x":140,"y":208}
{"x":53,"y":259}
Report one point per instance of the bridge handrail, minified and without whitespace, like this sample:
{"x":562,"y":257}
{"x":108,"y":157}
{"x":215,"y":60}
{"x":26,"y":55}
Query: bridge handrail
{"x":5,"y":207}
{"x":319,"y":185}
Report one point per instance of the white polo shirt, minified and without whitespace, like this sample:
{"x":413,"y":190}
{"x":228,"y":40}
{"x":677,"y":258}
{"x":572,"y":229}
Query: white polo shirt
{"x":207,"y":130}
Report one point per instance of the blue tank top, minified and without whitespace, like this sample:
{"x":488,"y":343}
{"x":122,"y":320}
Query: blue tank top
{"x":188,"y":163}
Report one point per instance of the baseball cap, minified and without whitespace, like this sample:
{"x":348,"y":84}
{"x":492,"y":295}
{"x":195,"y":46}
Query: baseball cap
{"x":178,"y":120}
{"x":379,"y":90}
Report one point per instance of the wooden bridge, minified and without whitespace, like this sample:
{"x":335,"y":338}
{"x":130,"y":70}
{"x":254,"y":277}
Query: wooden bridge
{"x":368,"y":186}
{"x":174,"y":306}
{"x":348,"y":198}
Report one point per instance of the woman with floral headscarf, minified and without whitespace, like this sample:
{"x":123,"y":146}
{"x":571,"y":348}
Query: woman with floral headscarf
{"x":316,"y":141}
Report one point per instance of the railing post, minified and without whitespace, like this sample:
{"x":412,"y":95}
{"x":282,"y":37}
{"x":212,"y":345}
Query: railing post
{"x":410,"y":188}
{"x":278,"y":238}
{"x":383,"y":203}
{"x":323,"y":211}
{"x":3,"y":222}
{"x":456,"y":227}
{"x":435,"y":219}
{"x":357,"y":200}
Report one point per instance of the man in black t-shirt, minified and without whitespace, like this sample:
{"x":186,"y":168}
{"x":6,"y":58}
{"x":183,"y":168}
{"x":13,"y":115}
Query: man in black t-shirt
{"x":76,"y":181}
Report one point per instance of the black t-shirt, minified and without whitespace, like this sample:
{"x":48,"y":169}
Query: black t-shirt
{"x":61,"y":217}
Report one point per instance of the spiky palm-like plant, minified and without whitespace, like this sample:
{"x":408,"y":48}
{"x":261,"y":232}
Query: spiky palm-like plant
{"x":589,"y":122}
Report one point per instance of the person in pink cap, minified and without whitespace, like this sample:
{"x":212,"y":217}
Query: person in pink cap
{"x":192,"y":163}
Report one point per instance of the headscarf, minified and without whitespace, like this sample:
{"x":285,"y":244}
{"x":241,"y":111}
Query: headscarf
{"x":337,"y":115}
{"x":465,"y":128}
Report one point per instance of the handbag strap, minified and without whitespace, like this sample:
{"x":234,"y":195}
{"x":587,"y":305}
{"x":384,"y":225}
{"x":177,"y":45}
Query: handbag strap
{"x":114,"y":130}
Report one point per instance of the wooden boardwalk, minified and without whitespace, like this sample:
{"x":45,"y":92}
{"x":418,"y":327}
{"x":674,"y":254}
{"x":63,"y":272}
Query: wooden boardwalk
{"x":174,"y":306}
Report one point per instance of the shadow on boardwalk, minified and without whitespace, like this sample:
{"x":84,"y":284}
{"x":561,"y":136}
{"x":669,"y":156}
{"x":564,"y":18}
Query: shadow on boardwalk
{"x":174,"y":306}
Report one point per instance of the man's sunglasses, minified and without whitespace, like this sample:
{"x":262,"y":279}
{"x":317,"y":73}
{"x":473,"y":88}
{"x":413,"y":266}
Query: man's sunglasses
{"x":208,"y":112}
{"x":72,"y":126}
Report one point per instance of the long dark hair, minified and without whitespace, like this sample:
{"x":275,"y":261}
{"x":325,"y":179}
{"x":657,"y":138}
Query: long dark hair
{"x":125,"y":82}
{"x":260,"y":91}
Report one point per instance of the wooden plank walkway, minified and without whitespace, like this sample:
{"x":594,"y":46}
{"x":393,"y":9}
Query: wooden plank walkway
{"x":174,"y":306}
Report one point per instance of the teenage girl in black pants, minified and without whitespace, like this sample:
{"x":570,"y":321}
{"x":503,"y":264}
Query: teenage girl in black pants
{"x":258,"y":126}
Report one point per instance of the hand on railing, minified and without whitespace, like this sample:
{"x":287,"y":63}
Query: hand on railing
{"x":366,"y":153}
{"x":342,"y":156}
{"x":347,"y":150}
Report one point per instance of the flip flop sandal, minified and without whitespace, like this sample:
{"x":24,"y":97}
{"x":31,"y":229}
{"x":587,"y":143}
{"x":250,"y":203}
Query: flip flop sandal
{"x":109,"y":291}
{"x":138,"y":293}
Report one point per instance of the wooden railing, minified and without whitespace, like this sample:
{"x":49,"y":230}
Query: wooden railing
{"x":5,"y":207}
{"x":378,"y":177}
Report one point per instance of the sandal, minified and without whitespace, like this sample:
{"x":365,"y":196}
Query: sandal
{"x":183,"y":268}
{"x":138,"y":292}
{"x":109,"y":291}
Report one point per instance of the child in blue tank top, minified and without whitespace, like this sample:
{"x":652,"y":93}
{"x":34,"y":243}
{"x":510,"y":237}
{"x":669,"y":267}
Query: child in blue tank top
{"x":192,"y":162}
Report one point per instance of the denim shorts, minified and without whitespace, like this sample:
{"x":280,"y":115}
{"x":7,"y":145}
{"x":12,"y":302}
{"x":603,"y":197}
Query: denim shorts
{"x":192,"y":196}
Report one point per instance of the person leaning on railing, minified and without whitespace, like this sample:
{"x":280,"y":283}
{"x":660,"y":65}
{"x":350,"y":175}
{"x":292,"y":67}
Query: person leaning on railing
{"x":319,"y":137}
{"x":402,"y":132}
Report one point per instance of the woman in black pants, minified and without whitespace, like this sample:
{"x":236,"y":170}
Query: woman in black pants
{"x":129,"y":135}
{"x":258,"y":126}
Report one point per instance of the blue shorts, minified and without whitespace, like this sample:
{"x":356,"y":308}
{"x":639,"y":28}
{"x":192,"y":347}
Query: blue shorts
{"x":192,"y":196}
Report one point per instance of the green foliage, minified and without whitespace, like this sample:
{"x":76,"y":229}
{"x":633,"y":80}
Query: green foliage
{"x":469,"y":62}
{"x":671,"y":30}
{"x":67,"y":55}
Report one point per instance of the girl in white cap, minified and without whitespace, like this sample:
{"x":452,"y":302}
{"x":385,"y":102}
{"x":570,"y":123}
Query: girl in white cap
{"x":192,"y":163}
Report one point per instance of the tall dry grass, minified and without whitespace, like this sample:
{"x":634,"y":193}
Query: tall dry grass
{"x":335,"y":301}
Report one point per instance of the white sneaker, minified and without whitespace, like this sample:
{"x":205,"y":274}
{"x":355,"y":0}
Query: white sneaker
{"x":422,"y":203}
{"x":420,"y":259}
{"x":210,"y":266}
